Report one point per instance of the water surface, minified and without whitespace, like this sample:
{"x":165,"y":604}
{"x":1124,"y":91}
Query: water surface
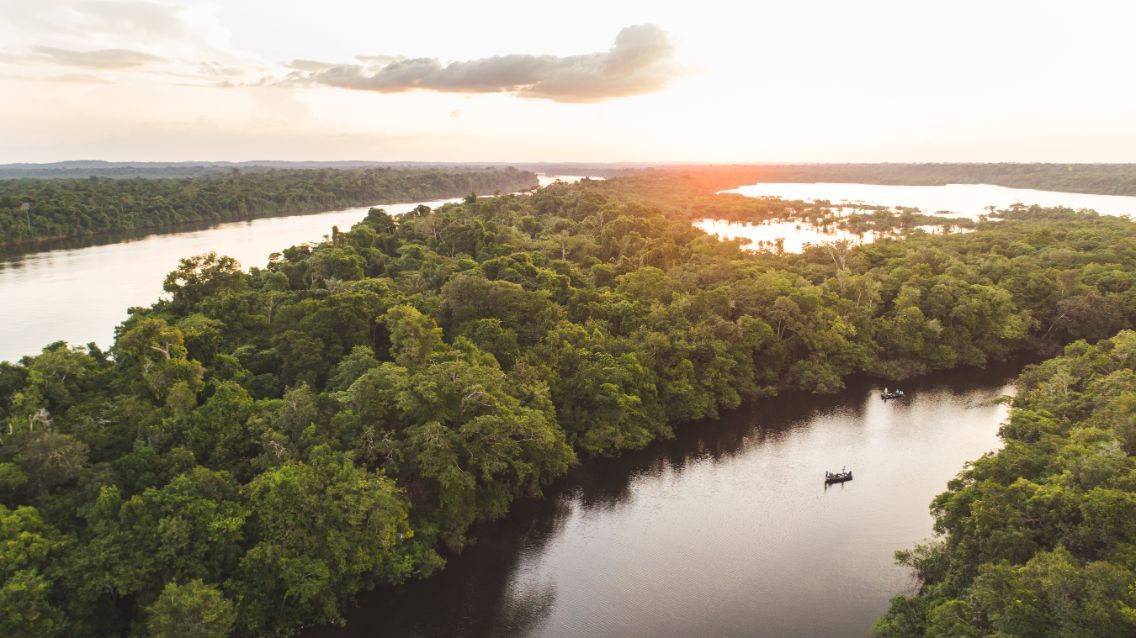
{"x":546,"y":180}
{"x":78,"y":290}
{"x":726,"y":530}
{"x":794,"y":236}
{"x":79,"y":294}
{"x":969,"y":201}
{"x":961,"y":200}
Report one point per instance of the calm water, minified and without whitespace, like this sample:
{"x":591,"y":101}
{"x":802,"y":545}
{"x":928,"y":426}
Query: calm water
{"x":81,"y":294}
{"x":545,"y":180}
{"x":790,"y":236}
{"x":79,"y":290}
{"x":727,"y":530}
{"x":961,"y":200}
{"x":953,"y":200}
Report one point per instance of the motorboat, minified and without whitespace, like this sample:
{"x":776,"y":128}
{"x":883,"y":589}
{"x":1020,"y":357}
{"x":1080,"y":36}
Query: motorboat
{"x":838,"y":477}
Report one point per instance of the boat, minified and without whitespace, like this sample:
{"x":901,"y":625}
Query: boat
{"x":894,"y":394}
{"x":837,"y":477}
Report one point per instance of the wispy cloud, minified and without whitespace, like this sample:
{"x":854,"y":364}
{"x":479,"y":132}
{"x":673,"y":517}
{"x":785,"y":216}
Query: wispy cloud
{"x":218,"y":69}
{"x":640,"y":61}
{"x":308,"y":66}
{"x":79,"y":78}
{"x":97,"y":59}
{"x":65,"y":78}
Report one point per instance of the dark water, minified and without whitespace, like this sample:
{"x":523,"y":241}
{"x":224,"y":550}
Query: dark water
{"x":726,"y":530}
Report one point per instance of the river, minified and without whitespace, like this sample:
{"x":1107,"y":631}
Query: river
{"x":80,"y":294}
{"x":725,"y":530}
{"x":79,"y":290}
{"x":952,"y":200}
{"x":956,"y":200}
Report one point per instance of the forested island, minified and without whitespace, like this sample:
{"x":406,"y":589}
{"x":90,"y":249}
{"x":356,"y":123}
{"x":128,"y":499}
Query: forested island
{"x":36,"y":209}
{"x":258,"y":447}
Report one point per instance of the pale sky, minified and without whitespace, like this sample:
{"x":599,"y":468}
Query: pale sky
{"x":639,"y":80}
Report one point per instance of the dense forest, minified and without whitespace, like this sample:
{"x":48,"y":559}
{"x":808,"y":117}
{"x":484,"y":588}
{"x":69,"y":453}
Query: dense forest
{"x":258,"y":447}
{"x":32,"y":209}
{"x":1039,"y":538}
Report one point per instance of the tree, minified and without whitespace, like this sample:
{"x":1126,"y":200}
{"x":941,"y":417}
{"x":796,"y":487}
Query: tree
{"x":28,"y":548}
{"x":202,"y":276}
{"x":191,"y":610}
{"x":325,"y":529}
{"x":414,"y":336}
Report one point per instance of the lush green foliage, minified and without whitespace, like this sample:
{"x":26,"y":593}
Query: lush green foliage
{"x":258,"y":447}
{"x":1040,"y":537}
{"x":35,"y":208}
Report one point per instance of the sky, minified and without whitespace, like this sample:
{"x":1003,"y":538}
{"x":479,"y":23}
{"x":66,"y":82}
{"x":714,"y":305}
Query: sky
{"x":634,"y":80}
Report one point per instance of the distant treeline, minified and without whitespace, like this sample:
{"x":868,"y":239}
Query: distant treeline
{"x":126,"y":170}
{"x":1099,"y":179}
{"x":33,"y":209}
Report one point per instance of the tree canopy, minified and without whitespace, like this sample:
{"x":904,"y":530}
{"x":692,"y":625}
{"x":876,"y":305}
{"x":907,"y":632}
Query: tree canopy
{"x":257,"y":447}
{"x":34,"y":209}
{"x":1039,"y":538}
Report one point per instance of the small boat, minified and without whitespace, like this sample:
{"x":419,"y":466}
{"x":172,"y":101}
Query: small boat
{"x":837,"y":477}
{"x":894,"y":394}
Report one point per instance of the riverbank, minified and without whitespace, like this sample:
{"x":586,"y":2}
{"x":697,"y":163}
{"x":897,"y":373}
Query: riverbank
{"x":33,"y":209}
{"x":724,"y":529}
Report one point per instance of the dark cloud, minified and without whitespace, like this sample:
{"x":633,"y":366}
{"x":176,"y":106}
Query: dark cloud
{"x":98,"y":59}
{"x":641,"y":61}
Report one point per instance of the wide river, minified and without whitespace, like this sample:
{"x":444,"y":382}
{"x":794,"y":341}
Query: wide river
{"x":79,"y":290}
{"x":81,"y":294}
{"x":726,"y":530}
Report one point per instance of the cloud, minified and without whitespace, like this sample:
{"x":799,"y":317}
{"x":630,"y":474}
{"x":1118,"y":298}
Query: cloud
{"x":377,"y":59}
{"x":98,"y":59}
{"x":218,"y":69}
{"x":138,"y":19}
{"x":311,"y":65}
{"x":640,"y":61}
{"x":66,"y":78}
{"x":79,"y":78}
